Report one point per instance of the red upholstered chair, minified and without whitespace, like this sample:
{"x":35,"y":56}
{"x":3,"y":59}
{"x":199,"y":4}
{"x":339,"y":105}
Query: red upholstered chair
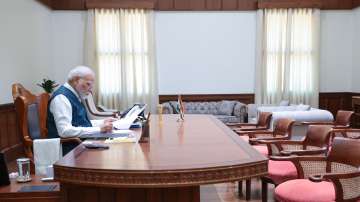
{"x":335,"y":177}
{"x":262,"y":124}
{"x":353,"y":133}
{"x":316,"y":142}
{"x":342,"y":120}
{"x":282,"y":131}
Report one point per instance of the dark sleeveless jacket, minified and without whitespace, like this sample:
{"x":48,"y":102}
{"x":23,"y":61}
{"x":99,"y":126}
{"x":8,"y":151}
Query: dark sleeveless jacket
{"x":79,"y":116}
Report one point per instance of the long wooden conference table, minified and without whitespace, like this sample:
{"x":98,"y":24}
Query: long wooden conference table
{"x":179,"y":157}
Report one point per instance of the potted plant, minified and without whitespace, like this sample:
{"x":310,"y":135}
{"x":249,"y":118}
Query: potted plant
{"x":48,"y":85}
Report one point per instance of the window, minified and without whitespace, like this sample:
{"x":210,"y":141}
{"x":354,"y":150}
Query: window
{"x":290,"y":55}
{"x":125,"y":69}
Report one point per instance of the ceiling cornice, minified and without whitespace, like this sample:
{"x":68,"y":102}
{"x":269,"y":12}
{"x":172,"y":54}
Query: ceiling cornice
{"x":201,"y":5}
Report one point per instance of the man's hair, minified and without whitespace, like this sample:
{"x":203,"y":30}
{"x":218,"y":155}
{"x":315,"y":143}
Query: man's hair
{"x":80,"y":71}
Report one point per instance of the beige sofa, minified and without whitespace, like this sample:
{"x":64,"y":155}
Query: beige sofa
{"x":228,"y":111}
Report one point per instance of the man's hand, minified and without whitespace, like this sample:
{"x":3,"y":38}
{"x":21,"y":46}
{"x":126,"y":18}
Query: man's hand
{"x":107,"y":126}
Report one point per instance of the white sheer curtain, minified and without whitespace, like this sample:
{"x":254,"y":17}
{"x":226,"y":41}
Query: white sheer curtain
{"x":288,"y":56}
{"x":123,"y":56}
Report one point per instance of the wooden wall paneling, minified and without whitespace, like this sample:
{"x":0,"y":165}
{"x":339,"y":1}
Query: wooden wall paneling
{"x":182,"y":4}
{"x":68,"y":4}
{"x":335,"y":101}
{"x":244,"y":98}
{"x":229,"y":4}
{"x":247,"y":4}
{"x":213,"y":4}
{"x":355,"y":3}
{"x":10,"y":140}
{"x":289,"y":4}
{"x":202,"y":4}
{"x":3,"y":126}
{"x":164,"y":5}
{"x":146,"y":4}
{"x":198,"y":5}
{"x":336,"y":4}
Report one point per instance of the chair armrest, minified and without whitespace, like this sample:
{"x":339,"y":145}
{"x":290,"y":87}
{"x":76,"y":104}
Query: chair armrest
{"x":253,"y":132}
{"x":333,"y":176}
{"x":346,"y":184}
{"x":305,"y":165}
{"x":280,"y":142}
{"x":317,"y":123}
{"x":70,"y":139}
{"x":240,"y":124}
{"x":106,"y":114}
{"x":344,"y":131}
{"x":249,"y":129}
{"x":303,"y":152}
{"x":104,"y":109}
{"x":255,"y":140}
{"x":340,"y":127}
{"x":283,"y":158}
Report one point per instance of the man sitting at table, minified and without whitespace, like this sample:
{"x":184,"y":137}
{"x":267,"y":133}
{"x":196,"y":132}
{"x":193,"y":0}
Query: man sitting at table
{"x":66,"y":113}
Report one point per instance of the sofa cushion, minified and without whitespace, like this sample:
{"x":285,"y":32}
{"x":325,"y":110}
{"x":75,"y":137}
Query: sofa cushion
{"x":277,"y":108}
{"x":284,"y":103}
{"x":228,"y":119}
{"x":200,"y":107}
{"x":302,"y":107}
{"x":226,"y":107}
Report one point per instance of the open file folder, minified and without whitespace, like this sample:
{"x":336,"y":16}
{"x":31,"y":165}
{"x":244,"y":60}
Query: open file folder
{"x":121,"y":126}
{"x":129,"y":118}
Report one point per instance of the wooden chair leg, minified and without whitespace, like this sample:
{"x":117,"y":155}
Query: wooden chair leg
{"x":240,"y":188}
{"x":248,"y":189}
{"x":264,"y":190}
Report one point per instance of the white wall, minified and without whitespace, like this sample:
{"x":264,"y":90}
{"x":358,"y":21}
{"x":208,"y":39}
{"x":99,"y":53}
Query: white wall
{"x":336,"y":51}
{"x":197,"y":52}
{"x":205,"y":52}
{"x":24,"y":45}
{"x":356,"y":52}
{"x":67,"y":29}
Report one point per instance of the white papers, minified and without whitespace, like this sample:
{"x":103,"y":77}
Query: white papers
{"x":129,"y":136}
{"x":121,"y":132}
{"x":131,"y":116}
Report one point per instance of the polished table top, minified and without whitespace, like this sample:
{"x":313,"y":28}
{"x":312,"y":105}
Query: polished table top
{"x":199,"y":150}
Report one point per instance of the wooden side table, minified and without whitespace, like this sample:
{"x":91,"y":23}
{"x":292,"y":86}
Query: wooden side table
{"x":356,"y":109}
{"x":10,"y":192}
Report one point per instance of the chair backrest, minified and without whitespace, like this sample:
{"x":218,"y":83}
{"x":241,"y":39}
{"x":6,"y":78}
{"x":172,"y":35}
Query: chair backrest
{"x":32,"y":114}
{"x":318,"y":136}
{"x":283,"y":127}
{"x":343,"y":117}
{"x":264,"y":119}
{"x":345,"y":151}
{"x":90,"y":106}
{"x":19,"y":90}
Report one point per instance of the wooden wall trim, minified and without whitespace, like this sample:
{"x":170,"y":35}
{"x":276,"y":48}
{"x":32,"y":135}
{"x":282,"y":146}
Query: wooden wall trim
{"x":244,"y":98}
{"x":145,"y":4}
{"x":200,"y":5}
{"x":321,"y":4}
{"x":356,"y":3}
